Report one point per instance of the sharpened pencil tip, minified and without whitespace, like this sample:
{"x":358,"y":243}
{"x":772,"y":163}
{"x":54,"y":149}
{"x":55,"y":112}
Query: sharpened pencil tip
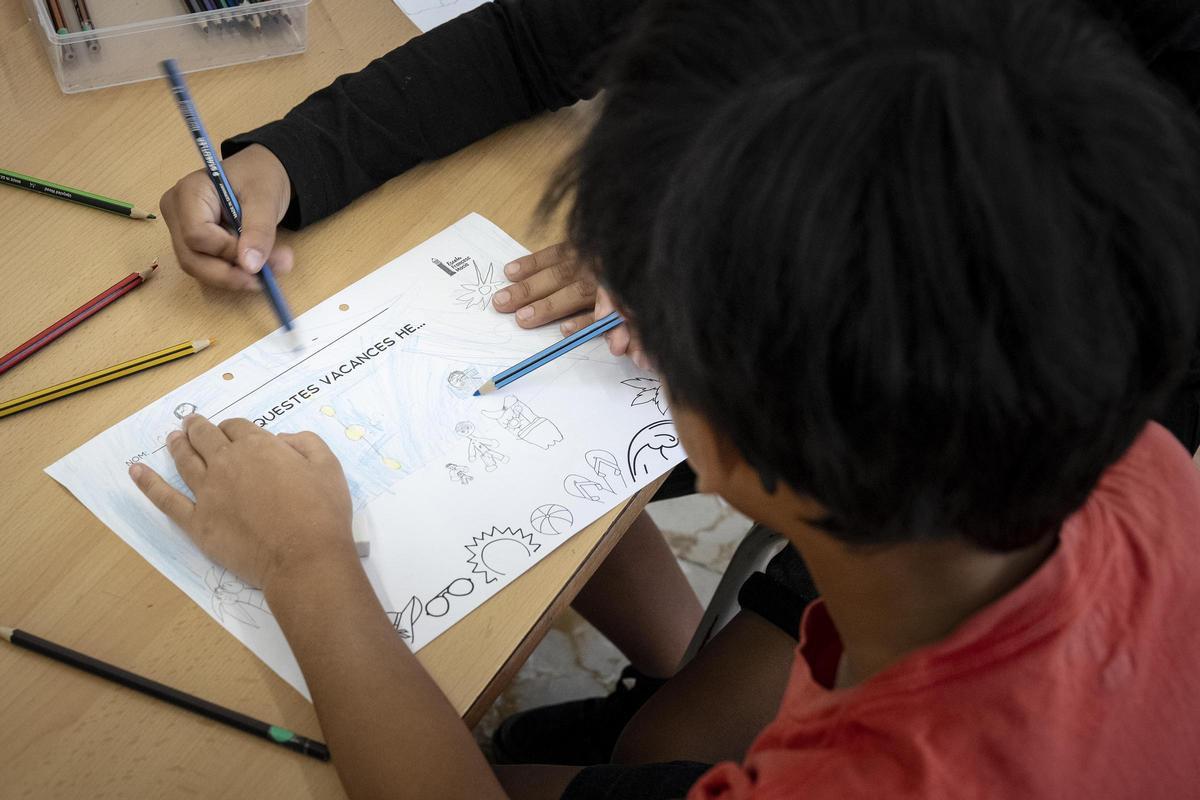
{"x":6,"y":633}
{"x":200,"y":344}
{"x":151,"y":216}
{"x":487,"y":388}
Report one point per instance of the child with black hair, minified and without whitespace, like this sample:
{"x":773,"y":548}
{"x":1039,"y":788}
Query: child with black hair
{"x":968,"y":230}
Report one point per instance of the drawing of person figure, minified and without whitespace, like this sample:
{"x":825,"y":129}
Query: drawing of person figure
{"x":461,"y":381}
{"x":459,"y":473}
{"x":479,"y":448}
{"x":181,"y":411}
{"x":519,"y":420}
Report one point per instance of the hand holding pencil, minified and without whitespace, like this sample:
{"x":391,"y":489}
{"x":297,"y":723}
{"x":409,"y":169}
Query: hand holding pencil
{"x":206,"y":249}
{"x":550,"y":285}
{"x":231,"y":208}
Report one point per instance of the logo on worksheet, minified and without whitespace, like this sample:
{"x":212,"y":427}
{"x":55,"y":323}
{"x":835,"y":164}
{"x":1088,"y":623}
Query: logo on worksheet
{"x":454,"y":265}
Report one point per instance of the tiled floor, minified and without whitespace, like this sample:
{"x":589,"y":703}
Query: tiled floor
{"x":574,"y":660}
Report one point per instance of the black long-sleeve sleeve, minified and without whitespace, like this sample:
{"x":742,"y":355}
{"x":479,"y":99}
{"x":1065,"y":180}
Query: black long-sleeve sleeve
{"x":503,"y":62}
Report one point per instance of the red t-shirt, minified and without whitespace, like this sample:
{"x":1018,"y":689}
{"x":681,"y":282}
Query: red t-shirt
{"x":1083,"y":682}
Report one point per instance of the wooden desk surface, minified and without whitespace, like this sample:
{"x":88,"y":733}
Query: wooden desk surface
{"x":65,"y":576}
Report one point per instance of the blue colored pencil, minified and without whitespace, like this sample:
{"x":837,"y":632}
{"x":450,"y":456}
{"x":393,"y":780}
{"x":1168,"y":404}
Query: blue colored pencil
{"x":233,"y":211}
{"x":541,"y":359}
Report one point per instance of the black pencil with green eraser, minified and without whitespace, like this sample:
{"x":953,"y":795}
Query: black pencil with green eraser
{"x":272,"y":733}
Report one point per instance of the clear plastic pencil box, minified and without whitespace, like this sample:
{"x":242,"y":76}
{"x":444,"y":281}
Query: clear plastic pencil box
{"x":129,"y":38}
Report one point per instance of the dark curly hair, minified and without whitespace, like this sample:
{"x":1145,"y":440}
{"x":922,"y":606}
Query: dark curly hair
{"x":929,"y":262}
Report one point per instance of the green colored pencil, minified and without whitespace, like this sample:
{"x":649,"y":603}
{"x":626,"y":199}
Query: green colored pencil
{"x":74,"y":195}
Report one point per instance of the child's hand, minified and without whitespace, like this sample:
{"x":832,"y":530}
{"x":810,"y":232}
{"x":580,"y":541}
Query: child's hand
{"x":621,"y":339}
{"x":549,"y":286}
{"x":265,"y":504}
{"x":205,"y":249}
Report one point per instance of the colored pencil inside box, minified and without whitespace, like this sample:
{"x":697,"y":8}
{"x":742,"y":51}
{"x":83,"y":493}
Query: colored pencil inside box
{"x":124,"y":42}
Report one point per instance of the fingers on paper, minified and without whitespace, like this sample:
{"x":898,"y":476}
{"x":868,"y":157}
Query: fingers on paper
{"x":240,"y":428}
{"x":188,"y":462}
{"x":165,"y":497}
{"x":572,"y":298}
{"x":525,"y":266}
{"x":535,"y":287}
{"x":539,"y":275}
{"x":308,"y":444}
{"x":206,"y":438}
{"x":574,"y":323}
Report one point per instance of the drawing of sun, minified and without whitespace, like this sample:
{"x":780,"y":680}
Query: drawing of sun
{"x":500,"y":552}
{"x":482,"y":289}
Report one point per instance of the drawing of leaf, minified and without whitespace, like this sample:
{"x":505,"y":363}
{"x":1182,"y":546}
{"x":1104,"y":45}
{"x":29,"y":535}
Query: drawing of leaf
{"x":239,"y":612}
{"x":649,"y":391}
{"x":645,"y":396}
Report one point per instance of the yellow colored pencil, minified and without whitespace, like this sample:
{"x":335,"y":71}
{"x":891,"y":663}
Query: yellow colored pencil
{"x":105,"y":375}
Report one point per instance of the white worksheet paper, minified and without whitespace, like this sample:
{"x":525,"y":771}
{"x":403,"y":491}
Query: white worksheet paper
{"x":458,"y":495}
{"x":428,"y":14}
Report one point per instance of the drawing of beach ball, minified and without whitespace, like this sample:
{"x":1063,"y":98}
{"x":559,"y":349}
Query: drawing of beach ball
{"x":551,"y":519}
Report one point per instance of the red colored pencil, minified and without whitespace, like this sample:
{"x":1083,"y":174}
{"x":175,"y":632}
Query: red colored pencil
{"x":105,"y":298}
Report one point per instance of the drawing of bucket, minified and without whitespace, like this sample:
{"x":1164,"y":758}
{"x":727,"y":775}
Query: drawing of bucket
{"x":541,"y":432}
